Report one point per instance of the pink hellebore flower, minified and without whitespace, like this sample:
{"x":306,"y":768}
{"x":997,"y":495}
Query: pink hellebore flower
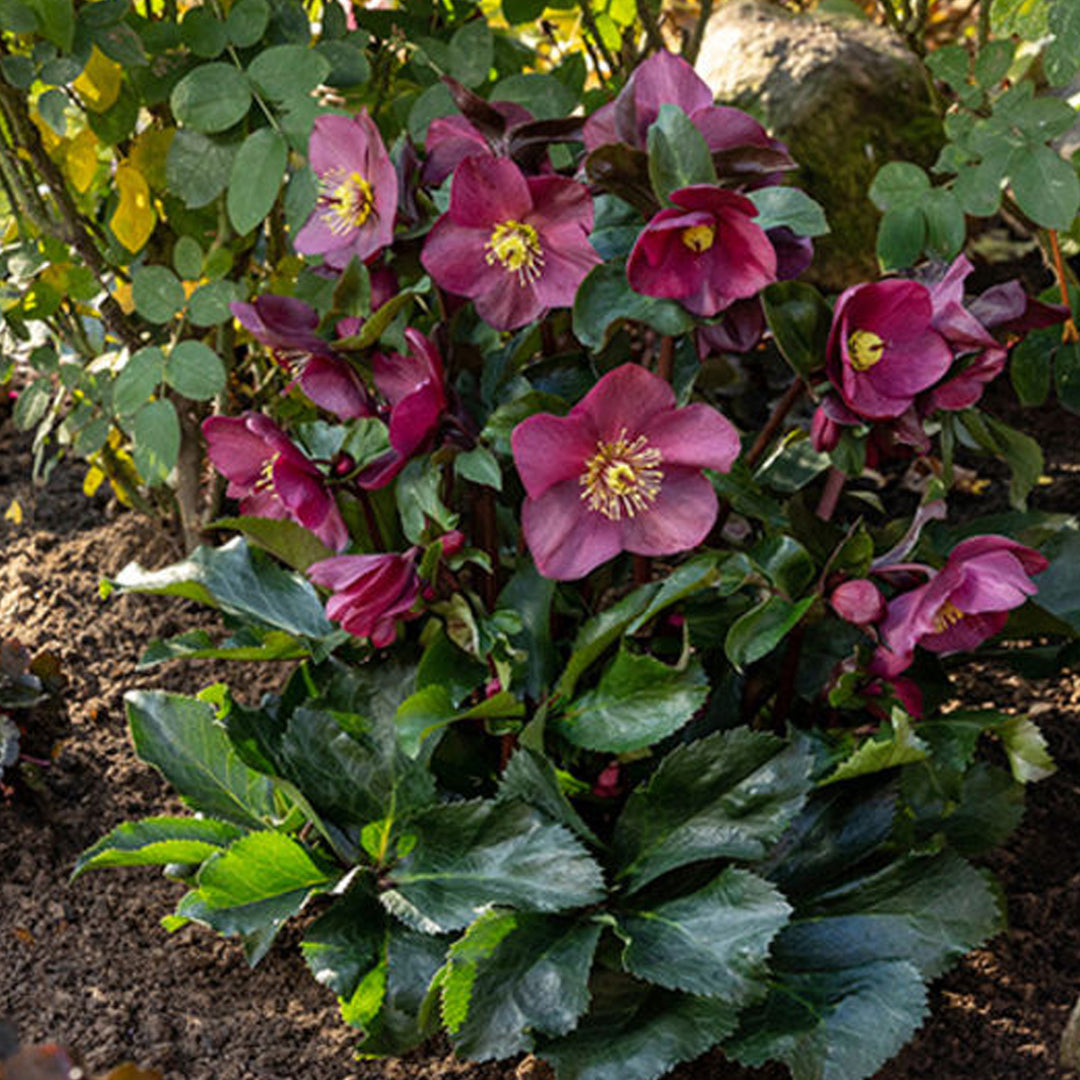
{"x":962,"y":605}
{"x":621,"y":472}
{"x":858,"y":601}
{"x":358,"y":191}
{"x":451,"y":139}
{"x":413,"y":388}
{"x":706,"y":251}
{"x":271,"y":477}
{"x":371,"y":592}
{"x":286,"y":326}
{"x":883,"y":349}
{"x":514,"y":245}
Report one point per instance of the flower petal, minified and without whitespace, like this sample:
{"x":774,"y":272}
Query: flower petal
{"x":566,"y":539}
{"x":550,"y":449}
{"x":625,"y":399}
{"x":680,"y":518}
{"x":697,"y":437}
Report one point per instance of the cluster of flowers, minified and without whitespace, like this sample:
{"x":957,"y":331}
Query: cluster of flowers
{"x":623,"y":470}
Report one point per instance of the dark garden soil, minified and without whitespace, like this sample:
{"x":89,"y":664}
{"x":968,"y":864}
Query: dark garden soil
{"x":88,"y":964}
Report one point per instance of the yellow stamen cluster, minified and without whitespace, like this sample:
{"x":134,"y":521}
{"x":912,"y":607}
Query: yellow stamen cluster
{"x":266,"y":475}
{"x":347,"y":199}
{"x":623,"y":477}
{"x":515,"y":245}
{"x":947,"y":615}
{"x":865,"y":349}
{"x":699,"y":238}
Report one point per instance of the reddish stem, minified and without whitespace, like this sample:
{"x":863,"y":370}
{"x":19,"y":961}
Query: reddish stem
{"x":665,"y":365}
{"x":772,"y":425}
{"x":1069,"y":333}
{"x":834,"y":484}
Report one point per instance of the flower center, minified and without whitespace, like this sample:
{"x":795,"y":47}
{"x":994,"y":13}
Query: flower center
{"x":622,"y":477}
{"x":348,"y":200}
{"x":865,"y":349}
{"x":699,"y":238}
{"x":516,"y":247}
{"x":266,"y":475}
{"x":947,"y":615}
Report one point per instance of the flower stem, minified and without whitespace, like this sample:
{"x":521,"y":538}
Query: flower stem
{"x":834,"y":484}
{"x":665,"y":364}
{"x":1069,"y":333}
{"x":772,"y":425}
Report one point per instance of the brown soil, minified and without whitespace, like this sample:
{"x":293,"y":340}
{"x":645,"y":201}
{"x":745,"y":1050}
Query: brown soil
{"x":87,"y":963}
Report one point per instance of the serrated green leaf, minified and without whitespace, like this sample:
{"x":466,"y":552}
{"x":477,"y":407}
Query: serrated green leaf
{"x":1029,"y":758}
{"x":240,"y":581}
{"x":158,"y":841}
{"x":512,"y":977}
{"x":714,"y":942}
{"x":294,"y":545}
{"x":480,"y":466}
{"x":900,"y":746}
{"x":181,"y":738}
{"x":729,"y":795}
{"x":531,"y":777}
{"x":638,"y":702}
{"x":470,"y":855}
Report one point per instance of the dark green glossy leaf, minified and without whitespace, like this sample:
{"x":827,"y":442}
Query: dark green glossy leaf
{"x":532,"y":778}
{"x":1029,"y":365}
{"x":158,"y":841}
{"x":790,"y":207}
{"x":289,"y":541}
{"x":678,"y":153}
{"x":799,"y":320}
{"x":755,"y":634}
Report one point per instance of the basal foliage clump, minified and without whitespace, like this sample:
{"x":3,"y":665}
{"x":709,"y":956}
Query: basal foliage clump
{"x":614,"y":727}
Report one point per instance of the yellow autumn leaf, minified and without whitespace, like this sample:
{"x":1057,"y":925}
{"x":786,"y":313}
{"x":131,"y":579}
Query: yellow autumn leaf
{"x":134,"y":219}
{"x":93,"y":479}
{"x":81,"y":160}
{"x":50,"y":140}
{"x":122,"y":295}
{"x":149,"y":152}
{"x":99,"y":84}
{"x":14,"y":513}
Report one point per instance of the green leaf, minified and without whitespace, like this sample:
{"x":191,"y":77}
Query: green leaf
{"x":901,"y":237}
{"x":899,"y":184}
{"x":678,"y":153}
{"x":713,"y":942}
{"x":480,"y":466}
{"x":158,"y":841}
{"x":521,"y":11}
{"x":239,"y":581}
{"x":33,"y":403}
{"x":283,"y":72}
{"x":211,"y":97}
{"x":543,"y":95}
{"x":157,"y":293}
{"x":187,"y":258}
{"x":638,"y":702}
{"x":203,"y":33}
{"x":195,"y":370}
{"x":418,"y":495}
{"x":288,"y":540}
{"x":247,"y":644}
{"x":247,"y":22}
{"x":1029,"y":365}
{"x":471,"y":52}
{"x":951,"y":64}
{"x":56,"y":19}
{"x":993,"y":61}
{"x":790,"y":207}
{"x":348,"y":65}
{"x":978,"y":187}
{"x":181,"y":738}
{"x":254,"y":887}
{"x":473,"y":854}
{"x":434,"y":103}
{"x":754,"y":635}
{"x":208,"y":305}
{"x":1067,"y":375}
{"x":431,"y":709}
{"x":1059,"y":585}
{"x":511,"y":977}
{"x":833,"y":1025}
{"x":532,"y":778}
{"x":377,"y":323}
{"x":17,"y":17}
{"x":1062,"y":56}
{"x":197,"y":167}
{"x":155,"y":430}
{"x":945,"y":226}
{"x":729,"y":795}
{"x":605,"y":300}
{"x":257,"y":172}
{"x":346,"y":942}
{"x":900,"y":746}
{"x":1019,"y":451}
{"x":1046,"y":186}
{"x":641,"y":1036}
{"x":1025,"y":746}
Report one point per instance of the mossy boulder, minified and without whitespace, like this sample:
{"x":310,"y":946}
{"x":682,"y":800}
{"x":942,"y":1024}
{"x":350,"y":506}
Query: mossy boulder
{"x":845,"y":95}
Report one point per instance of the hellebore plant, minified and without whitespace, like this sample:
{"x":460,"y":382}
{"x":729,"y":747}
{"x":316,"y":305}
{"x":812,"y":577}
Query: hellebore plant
{"x":594,"y":742}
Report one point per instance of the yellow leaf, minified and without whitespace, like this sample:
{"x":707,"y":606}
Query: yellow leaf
{"x":14,"y":513}
{"x":81,"y":160}
{"x":134,"y":219}
{"x":149,"y":152}
{"x":92,"y":481}
{"x":99,"y":83}
{"x":50,"y":140}
{"x":122,"y":295}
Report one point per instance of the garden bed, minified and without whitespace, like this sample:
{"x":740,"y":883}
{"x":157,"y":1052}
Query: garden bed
{"x":86,"y":963}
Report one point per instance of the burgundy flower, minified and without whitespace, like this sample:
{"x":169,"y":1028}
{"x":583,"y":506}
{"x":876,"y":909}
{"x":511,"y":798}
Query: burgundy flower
{"x":666,"y":79}
{"x":515,"y":245}
{"x":451,"y":139}
{"x":888,"y":438}
{"x":286,"y":326}
{"x":961,"y":605}
{"x":357,"y":191}
{"x":621,"y":472}
{"x":271,"y":477}
{"x":413,"y":388}
{"x":706,"y":251}
{"x":883,"y":349}
{"x":371,"y":592}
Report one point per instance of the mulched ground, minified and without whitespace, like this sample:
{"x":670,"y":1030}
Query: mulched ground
{"x":87,"y":963}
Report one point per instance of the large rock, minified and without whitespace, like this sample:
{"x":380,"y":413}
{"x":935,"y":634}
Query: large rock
{"x":845,"y":95}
